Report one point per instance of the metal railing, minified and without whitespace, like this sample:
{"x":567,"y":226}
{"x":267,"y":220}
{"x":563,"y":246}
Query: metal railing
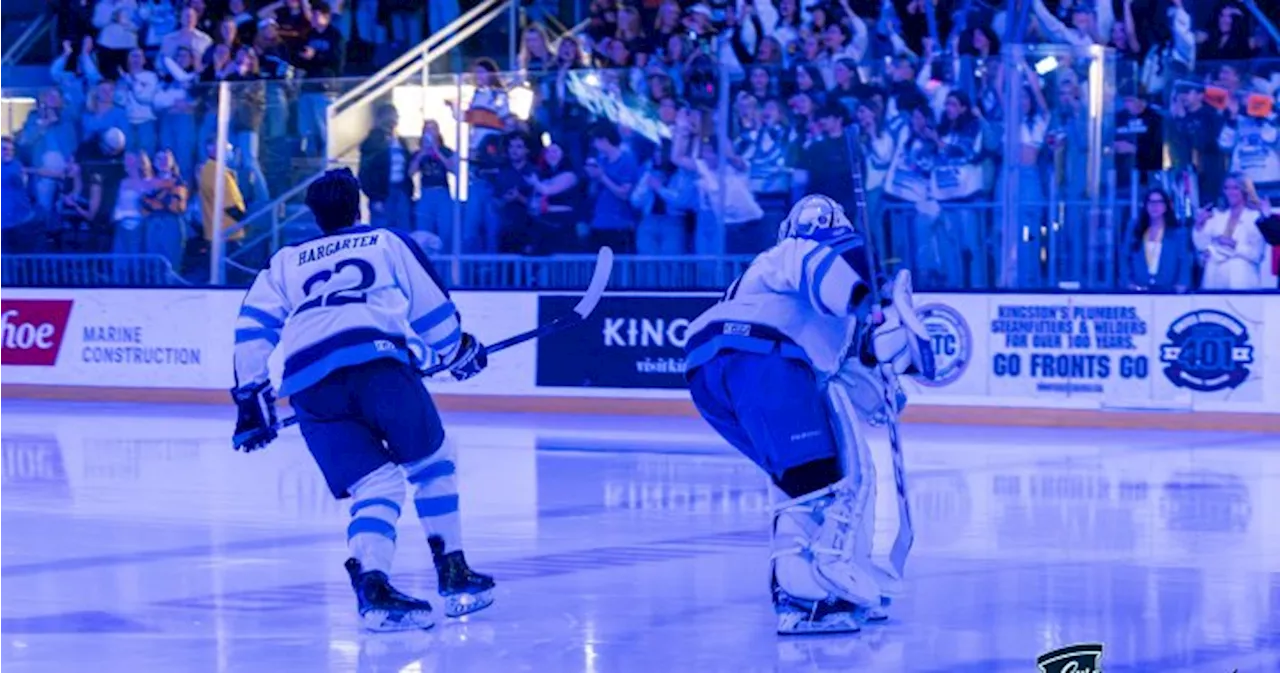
{"x":343,"y":114}
{"x":96,"y":270}
{"x":502,"y":272}
{"x":19,"y":48}
{"x":353,"y":108}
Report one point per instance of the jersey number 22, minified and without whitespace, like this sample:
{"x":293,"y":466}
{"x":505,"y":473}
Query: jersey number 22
{"x":348,"y":295}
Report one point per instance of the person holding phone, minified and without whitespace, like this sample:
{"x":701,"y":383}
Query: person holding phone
{"x":1229,"y":241}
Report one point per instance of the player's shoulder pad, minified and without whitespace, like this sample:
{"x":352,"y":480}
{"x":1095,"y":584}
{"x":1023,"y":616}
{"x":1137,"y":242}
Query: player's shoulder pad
{"x":404,"y":240}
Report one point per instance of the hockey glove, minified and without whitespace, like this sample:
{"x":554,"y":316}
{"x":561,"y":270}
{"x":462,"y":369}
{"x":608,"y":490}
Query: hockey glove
{"x":900,"y":344}
{"x":255,"y":416}
{"x":471,"y":360}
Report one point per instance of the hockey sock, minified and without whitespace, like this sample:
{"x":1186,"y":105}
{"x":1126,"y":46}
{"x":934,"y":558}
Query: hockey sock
{"x":811,"y":476}
{"x":375,"y":508}
{"x":435,"y":496}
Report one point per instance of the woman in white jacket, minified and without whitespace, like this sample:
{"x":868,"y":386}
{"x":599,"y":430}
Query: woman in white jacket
{"x":1229,"y":242}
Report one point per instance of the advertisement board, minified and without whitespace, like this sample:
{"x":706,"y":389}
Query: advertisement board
{"x":629,"y":342}
{"x":1093,"y":352}
{"x":1102,"y":351}
{"x":128,"y":338}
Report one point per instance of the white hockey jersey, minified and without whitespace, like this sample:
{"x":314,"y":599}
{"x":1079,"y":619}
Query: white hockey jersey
{"x":356,"y":295}
{"x":800,"y":296}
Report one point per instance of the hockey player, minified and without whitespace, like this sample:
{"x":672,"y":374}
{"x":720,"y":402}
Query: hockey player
{"x":357,"y":312}
{"x":781,"y":369}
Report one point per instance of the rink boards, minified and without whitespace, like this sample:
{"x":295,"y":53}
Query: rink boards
{"x":1057,"y":359}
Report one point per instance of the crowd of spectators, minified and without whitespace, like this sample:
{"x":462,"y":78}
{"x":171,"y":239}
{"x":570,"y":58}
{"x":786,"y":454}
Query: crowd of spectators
{"x":108,"y":156}
{"x":673,"y":127}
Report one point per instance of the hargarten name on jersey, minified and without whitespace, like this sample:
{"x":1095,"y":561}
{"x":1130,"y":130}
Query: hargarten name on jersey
{"x":333,"y":247}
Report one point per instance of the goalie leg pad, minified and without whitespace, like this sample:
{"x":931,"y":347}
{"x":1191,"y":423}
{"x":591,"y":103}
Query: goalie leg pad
{"x":816,"y":551}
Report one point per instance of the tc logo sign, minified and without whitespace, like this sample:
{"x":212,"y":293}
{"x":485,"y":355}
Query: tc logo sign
{"x":951,"y":341}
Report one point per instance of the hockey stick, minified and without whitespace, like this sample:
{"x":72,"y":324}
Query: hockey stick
{"x":587,"y":304}
{"x":905,"y":538}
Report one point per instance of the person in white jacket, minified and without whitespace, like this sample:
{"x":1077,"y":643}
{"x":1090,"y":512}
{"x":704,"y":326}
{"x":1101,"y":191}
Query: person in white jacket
{"x":136,"y":92}
{"x":1229,"y":242}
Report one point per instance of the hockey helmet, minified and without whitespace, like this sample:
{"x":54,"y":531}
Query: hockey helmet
{"x":815,"y":217}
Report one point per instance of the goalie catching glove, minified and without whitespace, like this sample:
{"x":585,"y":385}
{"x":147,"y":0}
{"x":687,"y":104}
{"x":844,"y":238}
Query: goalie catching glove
{"x":255,"y":416}
{"x":900,"y":344}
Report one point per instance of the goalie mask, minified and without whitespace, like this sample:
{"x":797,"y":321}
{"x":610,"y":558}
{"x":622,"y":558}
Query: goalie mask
{"x":815,"y":217}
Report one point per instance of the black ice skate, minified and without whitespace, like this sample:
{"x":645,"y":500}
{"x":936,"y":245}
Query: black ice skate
{"x":463,"y":591}
{"x":382,"y":607}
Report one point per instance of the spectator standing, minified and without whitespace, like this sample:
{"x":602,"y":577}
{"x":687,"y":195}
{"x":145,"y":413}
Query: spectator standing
{"x":158,"y":18}
{"x":21,"y":228}
{"x":384,"y":172}
{"x":489,"y":116}
{"x":248,"y":111}
{"x":126,"y":218}
{"x":1254,"y":145}
{"x":764,"y":143}
{"x":825,"y":164}
{"x":433,"y":162}
{"x":293,"y":17}
{"x":102,"y":112}
{"x":1228,"y":38}
{"x":136,"y":89}
{"x":877,"y":148}
{"x":187,"y":36}
{"x":1156,"y":253}
{"x":1269,"y":226}
{"x":164,"y":208}
{"x":907,"y":198}
{"x":513,"y":191}
{"x":101,"y":159}
{"x":1139,"y":142}
{"x":613,"y":173}
{"x":662,"y":202}
{"x":555,"y":203}
{"x":957,"y":183}
{"x":1229,"y":241}
{"x":1194,"y":139}
{"x":197,"y":256}
{"x":176,"y":104}
{"x":322,"y":58}
{"x":48,"y":140}
{"x":75,"y":76}
{"x":119,"y":34}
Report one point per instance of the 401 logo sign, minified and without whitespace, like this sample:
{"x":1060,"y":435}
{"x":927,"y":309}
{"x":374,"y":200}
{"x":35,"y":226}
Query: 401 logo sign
{"x":1207,"y":351}
{"x":950,"y":340}
{"x":1080,"y":658}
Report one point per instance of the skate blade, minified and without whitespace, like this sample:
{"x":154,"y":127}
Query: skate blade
{"x":881,"y":613}
{"x":459,"y":605}
{"x":383,"y":621}
{"x":799,"y":624}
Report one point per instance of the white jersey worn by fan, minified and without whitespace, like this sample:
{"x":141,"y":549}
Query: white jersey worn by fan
{"x":403,"y":311}
{"x":799,"y":287}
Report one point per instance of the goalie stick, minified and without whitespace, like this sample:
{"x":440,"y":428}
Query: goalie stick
{"x":587,"y":304}
{"x":905,"y":538}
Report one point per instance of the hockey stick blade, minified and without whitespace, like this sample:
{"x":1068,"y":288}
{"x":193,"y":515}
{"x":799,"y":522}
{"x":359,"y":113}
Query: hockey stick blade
{"x":599,"y":281}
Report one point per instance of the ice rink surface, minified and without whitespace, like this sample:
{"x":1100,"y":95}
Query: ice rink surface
{"x":135,"y":540}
